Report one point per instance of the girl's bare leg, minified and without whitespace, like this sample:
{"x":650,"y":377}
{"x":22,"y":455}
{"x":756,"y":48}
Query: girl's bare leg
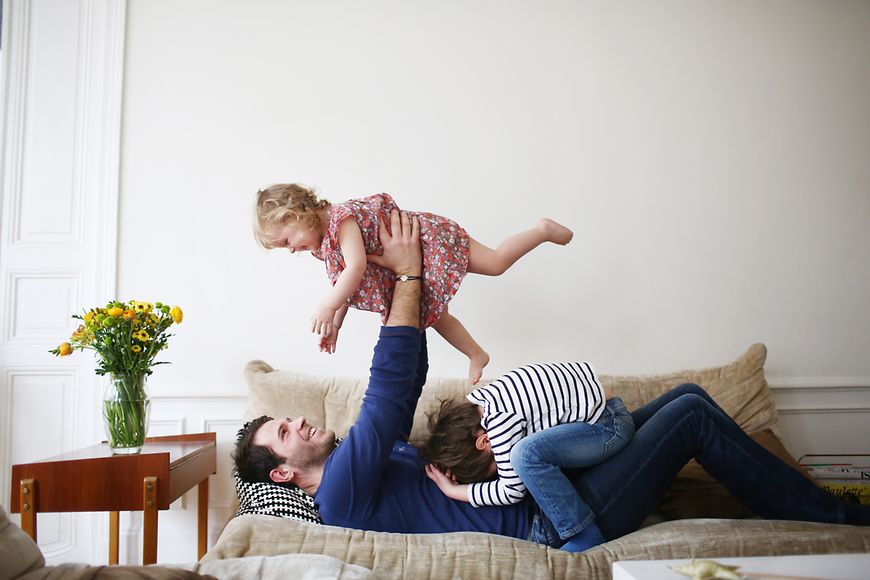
{"x":449,"y":327}
{"x":484,"y":260}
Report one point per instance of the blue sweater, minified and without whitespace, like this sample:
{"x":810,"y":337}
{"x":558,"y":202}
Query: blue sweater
{"x":374,"y":481}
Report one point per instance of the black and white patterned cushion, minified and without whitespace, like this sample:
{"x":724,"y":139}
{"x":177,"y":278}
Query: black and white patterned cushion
{"x":271,"y":499}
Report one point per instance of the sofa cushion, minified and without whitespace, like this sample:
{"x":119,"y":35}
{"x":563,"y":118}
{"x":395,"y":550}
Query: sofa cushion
{"x":284,"y":566}
{"x":738,"y":387}
{"x":334,"y":402}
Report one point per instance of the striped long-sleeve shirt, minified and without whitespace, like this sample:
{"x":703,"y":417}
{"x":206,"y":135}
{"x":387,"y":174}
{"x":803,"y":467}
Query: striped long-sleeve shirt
{"x":526,"y":400}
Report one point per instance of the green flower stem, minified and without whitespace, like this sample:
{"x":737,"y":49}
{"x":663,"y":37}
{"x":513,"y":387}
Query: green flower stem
{"x":125,"y":410}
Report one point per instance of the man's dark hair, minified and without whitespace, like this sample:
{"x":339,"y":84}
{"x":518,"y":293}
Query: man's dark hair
{"x":254,"y":462}
{"x":454,"y":429}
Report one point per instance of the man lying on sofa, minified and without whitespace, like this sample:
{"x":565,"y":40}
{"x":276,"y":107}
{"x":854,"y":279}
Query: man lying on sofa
{"x":374,"y":480}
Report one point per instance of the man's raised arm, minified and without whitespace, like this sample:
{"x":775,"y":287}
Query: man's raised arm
{"x":402,"y":256}
{"x":351,"y":484}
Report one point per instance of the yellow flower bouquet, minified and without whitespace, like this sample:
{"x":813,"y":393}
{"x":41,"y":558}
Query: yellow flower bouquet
{"x":126,"y":337}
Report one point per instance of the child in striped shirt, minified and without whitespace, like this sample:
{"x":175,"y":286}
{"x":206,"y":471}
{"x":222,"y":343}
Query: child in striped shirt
{"x":523,"y":428}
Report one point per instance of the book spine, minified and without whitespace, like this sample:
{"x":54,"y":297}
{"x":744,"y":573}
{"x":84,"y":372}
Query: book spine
{"x":830,"y":472}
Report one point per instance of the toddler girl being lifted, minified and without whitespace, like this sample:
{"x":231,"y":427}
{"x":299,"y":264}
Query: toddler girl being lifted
{"x":345,"y":237}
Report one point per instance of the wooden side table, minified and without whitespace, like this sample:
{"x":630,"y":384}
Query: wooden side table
{"x":92,"y":479}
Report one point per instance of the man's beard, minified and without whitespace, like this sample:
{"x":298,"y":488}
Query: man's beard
{"x":318,"y":456}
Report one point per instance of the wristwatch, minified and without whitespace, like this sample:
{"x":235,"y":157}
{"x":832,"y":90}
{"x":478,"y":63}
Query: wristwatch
{"x":406,"y":278}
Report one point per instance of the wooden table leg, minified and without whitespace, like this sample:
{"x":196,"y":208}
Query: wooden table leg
{"x":113,"y":538}
{"x":202,"y":519}
{"x":28,"y":507}
{"x":149,"y":515}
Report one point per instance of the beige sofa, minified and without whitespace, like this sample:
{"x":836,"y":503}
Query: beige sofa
{"x":739,"y":387}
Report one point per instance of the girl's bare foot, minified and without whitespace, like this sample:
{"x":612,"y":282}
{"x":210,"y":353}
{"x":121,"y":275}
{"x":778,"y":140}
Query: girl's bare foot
{"x":554,"y":231}
{"x":475,"y":368}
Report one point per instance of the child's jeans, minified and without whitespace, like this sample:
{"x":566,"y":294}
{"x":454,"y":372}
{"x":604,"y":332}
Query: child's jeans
{"x":539,"y":458}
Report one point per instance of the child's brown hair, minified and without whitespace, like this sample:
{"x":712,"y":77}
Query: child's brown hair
{"x":451,"y":444}
{"x":282,"y":202}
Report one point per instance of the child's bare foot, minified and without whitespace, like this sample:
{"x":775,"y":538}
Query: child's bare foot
{"x":555,"y":232}
{"x":475,"y":368}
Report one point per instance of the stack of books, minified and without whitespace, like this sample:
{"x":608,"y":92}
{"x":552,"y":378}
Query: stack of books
{"x":847,"y":476}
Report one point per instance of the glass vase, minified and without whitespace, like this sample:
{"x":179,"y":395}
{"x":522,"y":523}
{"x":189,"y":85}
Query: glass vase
{"x":126,"y":412}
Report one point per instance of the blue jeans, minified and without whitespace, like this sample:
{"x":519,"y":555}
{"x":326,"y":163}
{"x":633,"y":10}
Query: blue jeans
{"x":539,"y":457}
{"x":683,"y":424}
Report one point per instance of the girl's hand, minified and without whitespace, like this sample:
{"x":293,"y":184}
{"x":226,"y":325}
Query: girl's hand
{"x":448,"y":487}
{"x":321,"y":320}
{"x":328,"y":342}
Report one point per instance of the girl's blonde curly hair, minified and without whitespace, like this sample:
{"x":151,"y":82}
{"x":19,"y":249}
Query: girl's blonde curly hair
{"x":281,"y":203}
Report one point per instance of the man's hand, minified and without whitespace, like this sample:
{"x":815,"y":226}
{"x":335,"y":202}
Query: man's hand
{"x":448,"y":487}
{"x":402,"y":256}
{"x":401,"y":247}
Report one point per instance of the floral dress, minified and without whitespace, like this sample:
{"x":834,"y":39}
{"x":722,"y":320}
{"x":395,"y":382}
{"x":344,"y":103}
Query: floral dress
{"x":445,"y":256}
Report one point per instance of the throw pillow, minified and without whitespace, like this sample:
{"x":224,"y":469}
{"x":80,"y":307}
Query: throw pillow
{"x":271,"y":499}
{"x":739,"y":388}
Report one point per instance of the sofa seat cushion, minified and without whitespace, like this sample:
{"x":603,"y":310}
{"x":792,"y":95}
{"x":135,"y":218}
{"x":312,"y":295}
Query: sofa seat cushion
{"x":282,"y":567}
{"x":477,"y":555}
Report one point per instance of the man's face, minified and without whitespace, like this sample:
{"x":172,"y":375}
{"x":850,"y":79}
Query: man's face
{"x":299,"y":443}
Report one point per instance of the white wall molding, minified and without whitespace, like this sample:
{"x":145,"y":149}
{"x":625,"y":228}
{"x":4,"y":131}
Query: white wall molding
{"x":58,"y":532}
{"x":822,"y":396}
{"x":800,"y":383}
{"x":61,"y":289}
{"x":222,"y":491}
{"x":176,"y":425}
{"x":61,"y":121}
{"x":103,"y":56}
{"x":823,"y":411}
{"x":49,"y":204}
{"x":16,"y":54}
{"x":65,"y":542}
{"x":180,"y":395}
{"x":823,"y":415}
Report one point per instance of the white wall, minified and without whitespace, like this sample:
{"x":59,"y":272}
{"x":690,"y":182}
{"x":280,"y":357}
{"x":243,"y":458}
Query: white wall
{"x":712,"y":158}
